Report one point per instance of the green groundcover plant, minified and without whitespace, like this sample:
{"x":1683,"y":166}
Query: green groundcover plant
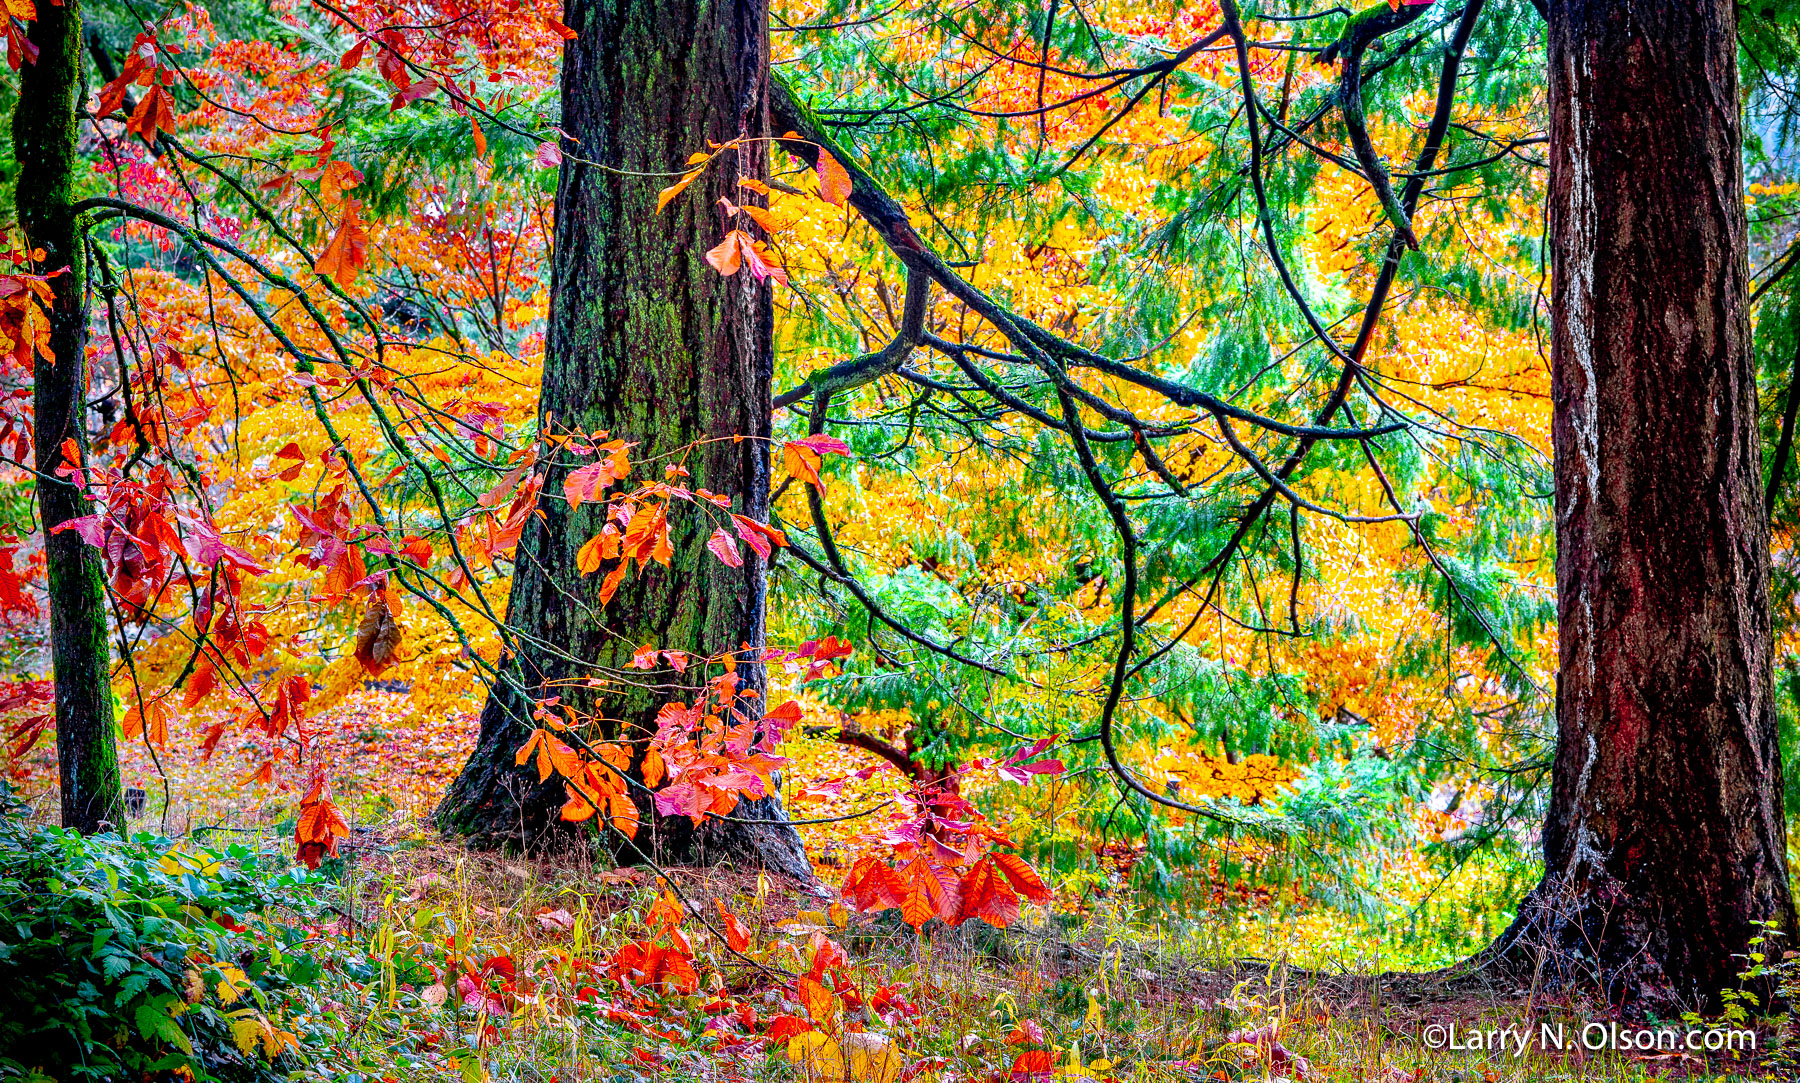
{"x":120,"y":957}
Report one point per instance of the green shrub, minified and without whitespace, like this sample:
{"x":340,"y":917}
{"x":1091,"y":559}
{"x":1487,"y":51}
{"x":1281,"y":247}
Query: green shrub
{"x":146,"y":958}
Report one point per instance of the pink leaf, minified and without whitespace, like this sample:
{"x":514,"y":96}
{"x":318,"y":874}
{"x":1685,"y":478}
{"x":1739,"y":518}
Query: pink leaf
{"x":412,"y":94}
{"x":725,"y":548}
{"x":756,"y":539}
{"x":92,"y":529}
{"x":548,"y":155}
{"x":586,"y":482}
{"x":823,"y":444}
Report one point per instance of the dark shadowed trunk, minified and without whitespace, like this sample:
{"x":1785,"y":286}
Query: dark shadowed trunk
{"x":44,"y":140}
{"x":649,"y":343}
{"x":1665,"y":840}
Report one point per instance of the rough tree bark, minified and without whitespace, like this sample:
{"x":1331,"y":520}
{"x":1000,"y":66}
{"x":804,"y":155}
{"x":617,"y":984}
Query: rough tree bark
{"x":44,"y":142}
{"x":1665,"y":840}
{"x":649,"y":343}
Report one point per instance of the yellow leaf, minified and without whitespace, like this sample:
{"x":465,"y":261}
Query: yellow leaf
{"x":820,"y":1059}
{"x":245,"y":1033}
{"x":871,"y":1058}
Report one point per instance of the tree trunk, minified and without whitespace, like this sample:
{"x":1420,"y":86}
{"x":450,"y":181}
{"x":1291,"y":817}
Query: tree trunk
{"x":44,"y":142}
{"x":1665,"y":842}
{"x":649,"y":343}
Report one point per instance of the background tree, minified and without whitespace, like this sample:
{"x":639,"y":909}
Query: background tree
{"x":45,"y":134}
{"x":1665,"y":841}
{"x":646,"y":343}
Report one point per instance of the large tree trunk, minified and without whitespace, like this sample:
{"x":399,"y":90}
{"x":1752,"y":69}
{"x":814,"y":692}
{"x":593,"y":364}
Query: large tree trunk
{"x":1665,"y":840}
{"x":44,"y":142}
{"x":649,"y":343}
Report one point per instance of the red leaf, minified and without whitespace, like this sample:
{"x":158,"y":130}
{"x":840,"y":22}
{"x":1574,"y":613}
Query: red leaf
{"x":736,"y":934}
{"x":1022,"y":877}
{"x":784,"y":1027}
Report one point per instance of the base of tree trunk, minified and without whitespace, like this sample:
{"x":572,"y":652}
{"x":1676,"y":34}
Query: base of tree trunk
{"x":1599,"y":936}
{"x":496,"y":805}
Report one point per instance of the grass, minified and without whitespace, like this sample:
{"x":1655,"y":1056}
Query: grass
{"x":437,"y":963}
{"x":1117,"y":993}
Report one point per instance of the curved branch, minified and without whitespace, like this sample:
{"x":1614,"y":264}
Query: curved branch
{"x":847,"y":375}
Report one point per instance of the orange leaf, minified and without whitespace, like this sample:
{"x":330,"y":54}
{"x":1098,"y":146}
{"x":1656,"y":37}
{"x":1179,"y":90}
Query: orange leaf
{"x":818,"y":1001}
{"x":624,"y":814}
{"x":531,"y":743}
{"x":348,"y":252}
{"x":577,"y":808}
{"x":611,"y":583}
{"x":725,"y":256}
{"x":587,"y":560}
{"x":803,"y":463}
{"x":653,"y":768}
{"x":200,"y":683}
{"x":834,"y":182}
{"x":155,"y":111}
{"x":987,"y":895}
{"x":1034,"y":1062}
{"x":763,"y":218}
{"x":480,"y":138}
{"x":667,"y":195}
{"x":587,"y":482}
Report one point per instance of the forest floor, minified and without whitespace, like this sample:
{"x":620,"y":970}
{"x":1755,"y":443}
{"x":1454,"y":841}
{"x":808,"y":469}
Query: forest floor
{"x":1091,"y":997}
{"x":444,"y":963}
